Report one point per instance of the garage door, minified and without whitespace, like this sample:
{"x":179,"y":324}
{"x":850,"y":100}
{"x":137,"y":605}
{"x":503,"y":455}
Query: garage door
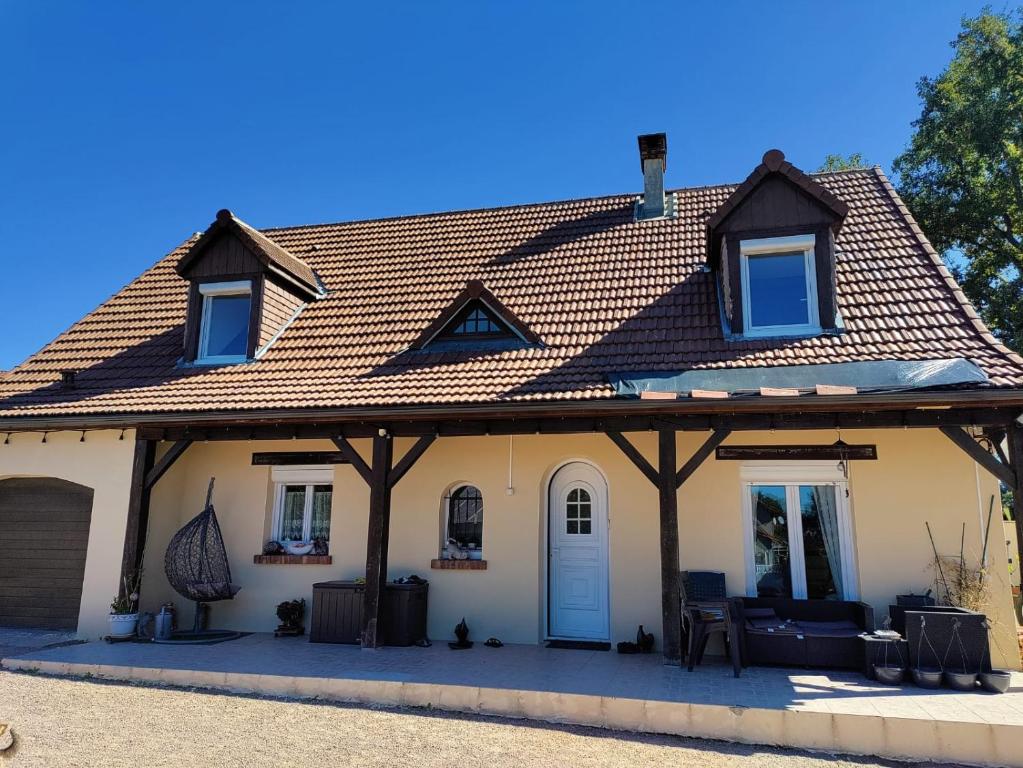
{"x":44,"y":532}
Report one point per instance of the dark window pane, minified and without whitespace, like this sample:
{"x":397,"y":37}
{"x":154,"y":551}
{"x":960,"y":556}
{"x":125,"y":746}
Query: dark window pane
{"x":821,"y":541}
{"x":465,"y":516}
{"x":227,"y":326}
{"x":320,"y":526}
{"x":573,"y":526}
{"x":584,"y":526}
{"x":292,"y":513}
{"x":777,"y":289}
{"x":771,"y":541}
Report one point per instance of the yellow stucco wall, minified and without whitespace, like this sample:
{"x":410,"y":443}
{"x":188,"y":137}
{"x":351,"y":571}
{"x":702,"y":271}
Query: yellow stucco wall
{"x":103,"y":463}
{"x":920,"y":476}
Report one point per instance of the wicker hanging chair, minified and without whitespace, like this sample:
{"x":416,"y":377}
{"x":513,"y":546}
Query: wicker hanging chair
{"x":196,"y":563}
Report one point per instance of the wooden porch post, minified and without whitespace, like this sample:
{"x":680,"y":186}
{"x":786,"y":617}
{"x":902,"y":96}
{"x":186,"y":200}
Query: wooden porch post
{"x":667,"y":489}
{"x":377,"y":540}
{"x":1015,"y":440}
{"x":138,"y":510}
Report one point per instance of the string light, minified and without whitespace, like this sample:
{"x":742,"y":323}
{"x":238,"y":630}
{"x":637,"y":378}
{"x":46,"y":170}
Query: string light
{"x":122,"y":435}
{"x":7,"y":439}
{"x":44,"y":436}
{"x":82,"y":438}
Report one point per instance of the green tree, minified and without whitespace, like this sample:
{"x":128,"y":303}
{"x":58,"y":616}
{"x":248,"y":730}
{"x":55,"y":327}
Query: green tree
{"x":962,"y":175}
{"x":839,"y":163}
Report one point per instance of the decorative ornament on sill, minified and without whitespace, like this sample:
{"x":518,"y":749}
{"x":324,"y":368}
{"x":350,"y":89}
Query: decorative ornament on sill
{"x":454,"y":551}
{"x":321,"y":546}
{"x":273,"y":548}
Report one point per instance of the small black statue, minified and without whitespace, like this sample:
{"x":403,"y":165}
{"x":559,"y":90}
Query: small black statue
{"x":462,"y":633}
{"x":644,"y":640}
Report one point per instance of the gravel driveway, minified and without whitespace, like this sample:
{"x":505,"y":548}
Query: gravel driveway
{"x":68,"y":722}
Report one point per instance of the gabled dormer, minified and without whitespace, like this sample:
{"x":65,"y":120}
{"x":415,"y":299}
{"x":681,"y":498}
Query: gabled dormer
{"x":475,"y":319}
{"x":244,"y":290}
{"x":771,"y":245}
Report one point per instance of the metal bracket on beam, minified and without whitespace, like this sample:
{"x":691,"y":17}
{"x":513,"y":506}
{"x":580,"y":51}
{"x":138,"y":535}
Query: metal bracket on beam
{"x":959,"y":436}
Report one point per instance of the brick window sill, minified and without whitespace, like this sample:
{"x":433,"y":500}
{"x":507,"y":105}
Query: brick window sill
{"x":458,"y":565}
{"x":292,"y":559}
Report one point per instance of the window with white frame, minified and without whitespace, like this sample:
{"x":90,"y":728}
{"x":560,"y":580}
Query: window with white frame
{"x":798,"y":532}
{"x":302,"y":503}
{"x":779,"y":286}
{"x":464,"y":519}
{"x":224,"y":327}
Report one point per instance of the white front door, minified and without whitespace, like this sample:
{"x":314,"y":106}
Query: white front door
{"x":577,"y":597}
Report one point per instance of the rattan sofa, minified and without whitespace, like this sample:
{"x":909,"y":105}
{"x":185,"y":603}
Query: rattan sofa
{"x":803,"y":633}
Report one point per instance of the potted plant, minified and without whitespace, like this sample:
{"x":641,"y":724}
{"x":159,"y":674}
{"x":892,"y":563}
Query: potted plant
{"x":124,"y":612}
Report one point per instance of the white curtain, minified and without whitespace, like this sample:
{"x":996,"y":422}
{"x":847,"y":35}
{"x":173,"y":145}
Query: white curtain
{"x":827,"y":509}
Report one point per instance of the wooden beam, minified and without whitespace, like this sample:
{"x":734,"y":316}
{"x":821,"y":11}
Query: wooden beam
{"x":138,"y":511}
{"x":634,"y":456}
{"x":297,"y":458}
{"x":166,"y":462}
{"x":1015,"y":435}
{"x":411,"y":457}
{"x":671,"y":595}
{"x":611,"y":422}
{"x":349,"y":452}
{"x":843,"y":452}
{"x":970,"y":446}
{"x":701,"y":455}
{"x":377,"y":540}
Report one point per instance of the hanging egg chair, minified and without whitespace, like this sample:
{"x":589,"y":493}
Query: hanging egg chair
{"x":196,"y":566}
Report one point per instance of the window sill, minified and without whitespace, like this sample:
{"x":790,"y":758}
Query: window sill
{"x":458,"y":565}
{"x":292,"y":559}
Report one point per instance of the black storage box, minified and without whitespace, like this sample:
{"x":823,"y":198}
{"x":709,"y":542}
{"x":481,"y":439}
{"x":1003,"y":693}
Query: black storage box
{"x":337,"y":613}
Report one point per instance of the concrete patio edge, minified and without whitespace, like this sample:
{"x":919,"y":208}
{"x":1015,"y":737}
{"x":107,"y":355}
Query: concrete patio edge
{"x":985,"y":744}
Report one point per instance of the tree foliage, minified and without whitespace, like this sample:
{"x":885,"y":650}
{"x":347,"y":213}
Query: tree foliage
{"x":962,"y":175}
{"x":840,"y":163}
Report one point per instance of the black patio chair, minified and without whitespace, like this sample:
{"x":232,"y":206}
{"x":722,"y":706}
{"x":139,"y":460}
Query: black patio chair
{"x":706,"y":611}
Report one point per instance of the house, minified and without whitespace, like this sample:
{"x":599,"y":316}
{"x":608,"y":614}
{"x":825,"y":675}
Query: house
{"x":777,"y":379}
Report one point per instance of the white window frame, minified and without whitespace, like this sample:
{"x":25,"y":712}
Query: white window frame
{"x":791,"y":475}
{"x":769,"y":245}
{"x":308,"y":476}
{"x":209,"y":291}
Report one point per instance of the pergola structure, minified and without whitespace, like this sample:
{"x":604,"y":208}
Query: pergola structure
{"x":991,"y":416}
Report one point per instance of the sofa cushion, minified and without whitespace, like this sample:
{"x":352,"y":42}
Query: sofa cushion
{"x":840,"y":628}
{"x":760,"y":613}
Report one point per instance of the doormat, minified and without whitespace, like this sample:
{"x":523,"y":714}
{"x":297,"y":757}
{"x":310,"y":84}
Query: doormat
{"x":579,"y":645}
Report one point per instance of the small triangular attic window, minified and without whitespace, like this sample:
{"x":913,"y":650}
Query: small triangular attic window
{"x":475,"y":317}
{"x":475,"y":321}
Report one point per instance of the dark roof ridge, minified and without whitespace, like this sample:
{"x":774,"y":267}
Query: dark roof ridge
{"x":536,"y":204}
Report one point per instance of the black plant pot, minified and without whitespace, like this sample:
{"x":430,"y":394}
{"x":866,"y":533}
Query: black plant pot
{"x":889,"y":675}
{"x":927,"y":677}
{"x":961,"y":681}
{"x":996,"y":681}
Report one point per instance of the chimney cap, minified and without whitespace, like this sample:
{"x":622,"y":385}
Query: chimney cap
{"x":653,"y":146}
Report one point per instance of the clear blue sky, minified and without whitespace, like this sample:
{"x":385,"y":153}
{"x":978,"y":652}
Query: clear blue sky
{"x":126,"y":125}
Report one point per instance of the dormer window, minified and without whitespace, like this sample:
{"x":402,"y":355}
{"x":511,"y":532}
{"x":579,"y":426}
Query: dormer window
{"x":779,"y":286}
{"x":224,"y":328}
{"x":244,"y":290}
{"x":476,"y":322}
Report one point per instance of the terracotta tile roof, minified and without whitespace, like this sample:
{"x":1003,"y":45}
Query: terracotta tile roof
{"x":604,"y":293}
